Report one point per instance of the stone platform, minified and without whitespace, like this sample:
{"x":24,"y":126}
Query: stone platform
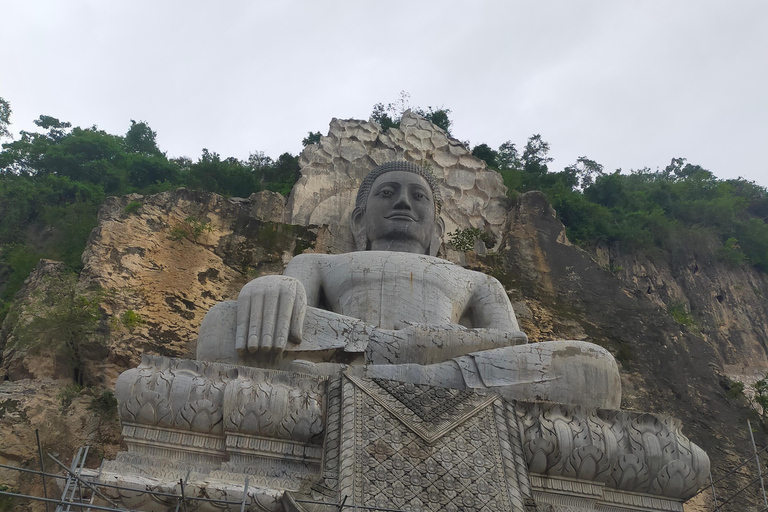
{"x":378,"y":443}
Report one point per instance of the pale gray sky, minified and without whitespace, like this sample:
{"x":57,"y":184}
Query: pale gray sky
{"x":627,"y":83}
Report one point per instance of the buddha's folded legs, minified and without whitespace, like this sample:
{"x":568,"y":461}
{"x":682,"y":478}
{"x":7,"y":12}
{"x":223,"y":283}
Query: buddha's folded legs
{"x":571,"y":372}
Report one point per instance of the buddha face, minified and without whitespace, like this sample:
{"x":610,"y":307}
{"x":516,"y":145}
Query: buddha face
{"x":400,"y":214}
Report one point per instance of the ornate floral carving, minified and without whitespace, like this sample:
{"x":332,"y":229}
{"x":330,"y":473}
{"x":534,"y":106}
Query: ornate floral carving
{"x":636,"y":452}
{"x":276,"y":404}
{"x":394,"y":445}
{"x":174,"y":393}
{"x":401,"y":463}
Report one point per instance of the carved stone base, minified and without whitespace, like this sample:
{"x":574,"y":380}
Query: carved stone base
{"x":381,"y":443}
{"x":553,"y":494}
{"x":410,"y":447}
{"x":211,"y":425}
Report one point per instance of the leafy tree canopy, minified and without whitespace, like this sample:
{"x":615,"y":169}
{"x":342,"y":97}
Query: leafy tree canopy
{"x":311,"y":138}
{"x":5,"y":118}
{"x":52,"y":181}
{"x":389,"y":116}
{"x":675,"y":210}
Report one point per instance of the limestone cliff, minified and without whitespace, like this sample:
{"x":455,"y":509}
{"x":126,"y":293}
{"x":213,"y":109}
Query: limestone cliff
{"x":156,"y":266}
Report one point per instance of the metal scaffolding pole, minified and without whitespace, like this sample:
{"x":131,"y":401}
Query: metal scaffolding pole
{"x":757,"y":461}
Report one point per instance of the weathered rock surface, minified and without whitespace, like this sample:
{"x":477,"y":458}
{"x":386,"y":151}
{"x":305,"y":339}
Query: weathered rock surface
{"x":179,"y":255}
{"x":40,"y":404}
{"x":724,"y":304}
{"x":332,"y":170}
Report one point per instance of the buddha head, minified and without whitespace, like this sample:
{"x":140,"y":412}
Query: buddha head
{"x":398,"y":209}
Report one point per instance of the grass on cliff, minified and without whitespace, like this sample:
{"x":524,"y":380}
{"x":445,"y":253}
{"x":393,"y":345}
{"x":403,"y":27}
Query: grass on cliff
{"x":63,"y":319}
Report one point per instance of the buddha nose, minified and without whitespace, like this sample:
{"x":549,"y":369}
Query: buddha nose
{"x":403,"y":202}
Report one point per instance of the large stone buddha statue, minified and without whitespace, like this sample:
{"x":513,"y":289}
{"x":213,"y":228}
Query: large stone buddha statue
{"x":393,"y":310}
{"x":387,"y":378}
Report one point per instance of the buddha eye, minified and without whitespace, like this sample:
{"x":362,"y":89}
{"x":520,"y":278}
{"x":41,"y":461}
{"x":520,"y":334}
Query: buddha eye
{"x":386,"y":193}
{"x":419,"y":195}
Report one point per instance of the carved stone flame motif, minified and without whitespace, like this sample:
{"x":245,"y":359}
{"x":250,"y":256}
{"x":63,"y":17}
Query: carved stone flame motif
{"x":636,"y":452}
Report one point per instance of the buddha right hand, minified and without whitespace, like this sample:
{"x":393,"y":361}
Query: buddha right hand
{"x":270,"y":313}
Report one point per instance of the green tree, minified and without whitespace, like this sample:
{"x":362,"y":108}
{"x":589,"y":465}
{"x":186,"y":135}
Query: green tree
{"x":141,"y":139}
{"x":585,"y":171}
{"x":229,"y":177}
{"x":388,"y":116}
{"x":487,"y":155}
{"x":437,"y":116}
{"x":507,"y":156}
{"x":382,"y":116}
{"x":258,"y":160}
{"x":281,"y":175}
{"x":311,"y":138}
{"x":5,"y":118}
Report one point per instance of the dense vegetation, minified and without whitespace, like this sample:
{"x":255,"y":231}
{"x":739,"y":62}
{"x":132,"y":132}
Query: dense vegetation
{"x":679,"y":210}
{"x":52,"y":181}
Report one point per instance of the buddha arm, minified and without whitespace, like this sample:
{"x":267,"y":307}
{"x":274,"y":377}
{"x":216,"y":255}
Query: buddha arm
{"x":489,"y":307}
{"x":305,"y":269}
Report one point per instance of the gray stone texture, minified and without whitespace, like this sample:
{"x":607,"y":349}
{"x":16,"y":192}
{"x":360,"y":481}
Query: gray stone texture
{"x":332,"y":170}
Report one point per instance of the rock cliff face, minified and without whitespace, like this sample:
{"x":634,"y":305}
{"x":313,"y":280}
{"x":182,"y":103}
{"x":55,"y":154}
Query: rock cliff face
{"x":154,"y":270}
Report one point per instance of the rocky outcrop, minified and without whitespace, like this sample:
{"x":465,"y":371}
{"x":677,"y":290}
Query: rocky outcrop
{"x":725,"y":304}
{"x":332,"y":170}
{"x":180,"y":253}
{"x":65,"y":417}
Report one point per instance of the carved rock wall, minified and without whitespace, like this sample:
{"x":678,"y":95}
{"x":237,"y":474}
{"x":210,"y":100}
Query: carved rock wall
{"x":332,"y":170}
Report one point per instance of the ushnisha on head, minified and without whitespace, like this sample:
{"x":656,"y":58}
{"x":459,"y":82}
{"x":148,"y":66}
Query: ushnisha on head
{"x":398,"y":209}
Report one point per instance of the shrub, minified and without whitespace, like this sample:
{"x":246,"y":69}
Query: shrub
{"x":191,"y":229}
{"x":105,"y":404}
{"x":730,"y":253}
{"x":7,"y":503}
{"x":69,"y":393}
{"x":679,"y":312}
{"x":735,"y":389}
{"x":131,"y":319}
{"x":464,"y":239}
{"x":132,"y":207}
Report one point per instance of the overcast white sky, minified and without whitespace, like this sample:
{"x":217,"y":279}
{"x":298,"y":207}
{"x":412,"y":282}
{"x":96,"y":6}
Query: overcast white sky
{"x":629,"y":84}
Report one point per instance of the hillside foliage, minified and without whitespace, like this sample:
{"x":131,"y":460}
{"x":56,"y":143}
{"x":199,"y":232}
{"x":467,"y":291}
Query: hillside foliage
{"x":53,"y":180}
{"x":677,"y":210}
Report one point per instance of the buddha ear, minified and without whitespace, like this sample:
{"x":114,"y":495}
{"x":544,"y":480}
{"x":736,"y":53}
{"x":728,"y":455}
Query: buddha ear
{"x":437,"y":237}
{"x":358,"y":229}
